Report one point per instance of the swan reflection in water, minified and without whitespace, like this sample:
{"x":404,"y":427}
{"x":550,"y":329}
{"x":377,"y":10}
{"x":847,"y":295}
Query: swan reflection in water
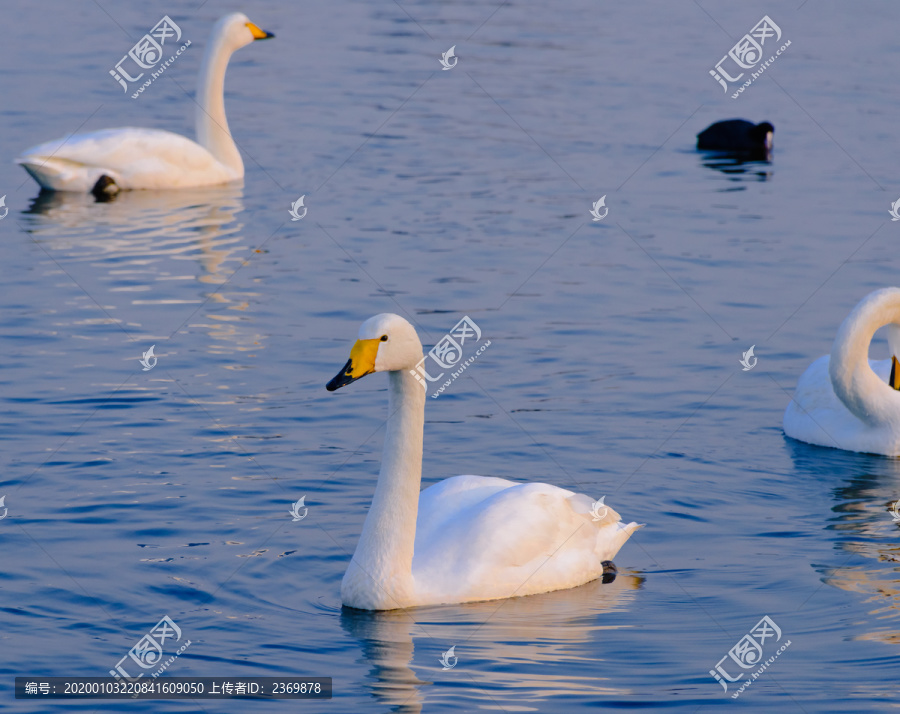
{"x":865,"y":527}
{"x":186,"y":224}
{"x":556,"y":632}
{"x":146,"y":246}
{"x":869,"y":531}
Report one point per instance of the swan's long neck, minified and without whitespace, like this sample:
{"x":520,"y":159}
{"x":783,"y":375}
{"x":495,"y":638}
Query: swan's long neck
{"x":385,"y":550}
{"x":867,"y":396}
{"x":211,"y":124}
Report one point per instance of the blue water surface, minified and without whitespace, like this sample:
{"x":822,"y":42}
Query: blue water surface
{"x":613,"y":367}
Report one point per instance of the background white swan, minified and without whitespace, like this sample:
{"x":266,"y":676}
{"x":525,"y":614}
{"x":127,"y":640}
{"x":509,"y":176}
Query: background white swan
{"x":468,"y":537}
{"x":129,"y":158}
{"x":843,"y":400}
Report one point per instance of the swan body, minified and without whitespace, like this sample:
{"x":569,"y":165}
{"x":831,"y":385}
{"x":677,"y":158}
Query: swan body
{"x":466,"y":538}
{"x":844,"y":400}
{"x":130,"y":158}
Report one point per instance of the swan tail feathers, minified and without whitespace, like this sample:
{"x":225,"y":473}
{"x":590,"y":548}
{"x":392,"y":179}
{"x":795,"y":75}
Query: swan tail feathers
{"x":609,"y":543}
{"x":59,"y":174}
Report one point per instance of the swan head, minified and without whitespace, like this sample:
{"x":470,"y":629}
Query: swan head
{"x":387,"y":343}
{"x":237,"y":31}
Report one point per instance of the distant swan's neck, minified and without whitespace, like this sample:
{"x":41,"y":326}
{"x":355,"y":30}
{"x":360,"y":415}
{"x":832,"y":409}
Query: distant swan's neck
{"x":868,"y":397}
{"x":385,"y":550}
{"x":211,"y":124}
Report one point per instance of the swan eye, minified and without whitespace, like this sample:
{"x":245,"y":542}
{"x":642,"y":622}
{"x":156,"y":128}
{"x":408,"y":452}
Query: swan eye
{"x":384,"y":338}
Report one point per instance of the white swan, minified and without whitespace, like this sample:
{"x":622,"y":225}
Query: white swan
{"x":465,"y":538}
{"x":846,"y":401}
{"x":129,"y":158}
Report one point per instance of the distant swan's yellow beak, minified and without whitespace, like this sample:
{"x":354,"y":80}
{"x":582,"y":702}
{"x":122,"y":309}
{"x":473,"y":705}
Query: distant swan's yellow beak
{"x":257,"y":33}
{"x":894,"y":381}
{"x":361,"y":363}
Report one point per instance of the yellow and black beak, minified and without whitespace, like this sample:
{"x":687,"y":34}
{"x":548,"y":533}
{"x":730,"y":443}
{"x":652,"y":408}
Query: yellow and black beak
{"x":894,"y":381}
{"x":361,"y":363}
{"x":257,"y":33}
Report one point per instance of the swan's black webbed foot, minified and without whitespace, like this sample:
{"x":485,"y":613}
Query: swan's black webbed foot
{"x":105,"y":188}
{"x":609,"y":571}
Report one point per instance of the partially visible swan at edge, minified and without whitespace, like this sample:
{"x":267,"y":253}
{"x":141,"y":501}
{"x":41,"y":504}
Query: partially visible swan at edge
{"x":465,"y":538}
{"x":108,"y":160}
{"x":846,"y":401}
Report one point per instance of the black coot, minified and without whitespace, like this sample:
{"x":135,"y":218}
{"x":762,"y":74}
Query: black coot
{"x":737,"y":135}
